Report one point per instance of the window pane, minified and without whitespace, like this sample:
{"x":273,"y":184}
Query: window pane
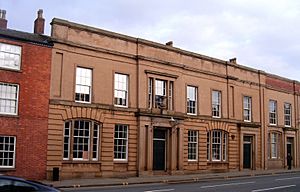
{"x":272,"y":112}
{"x":83,"y":84}
{"x":216,"y":103}
{"x":287,"y":114}
{"x":191,"y":99}
{"x":192,"y":145}
{"x":121,"y":89}
{"x":81,"y":140}
{"x":67,"y":140}
{"x":10,"y":56}
{"x":7,"y":151}
{"x":160,"y":87}
{"x":120,"y":142}
{"x":247,"y":108}
{"x":217,"y":145}
{"x":8,"y":98}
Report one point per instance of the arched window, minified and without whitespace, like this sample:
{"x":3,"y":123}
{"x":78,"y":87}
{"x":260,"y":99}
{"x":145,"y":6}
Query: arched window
{"x":81,"y":140}
{"x":217,"y":145}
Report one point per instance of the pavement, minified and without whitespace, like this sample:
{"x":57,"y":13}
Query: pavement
{"x":186,"y":178}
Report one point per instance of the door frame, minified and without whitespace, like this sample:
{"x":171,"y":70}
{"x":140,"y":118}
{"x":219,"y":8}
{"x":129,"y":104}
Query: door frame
{"x":166,"y":147}
{"x":252,"y":155}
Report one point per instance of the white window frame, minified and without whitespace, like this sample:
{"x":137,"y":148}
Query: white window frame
{"x":4,"y":98}
{"x":287,"y":114}
{"x":119,"y":89}
{"x":95,"y":142}
{"x":8,"y":54}
{"x":160,"y":93}
{"x":272,"y":112}
{"x":69,"y":142}
{"x":191,"y":93}
{"x":8,"y":151}
{"x":192,"y":145}
{"x":274,"y":145}
{"x":84,"y":137}
{"x":216,"y":104}
{"x":122,"y":140}
{"x":217,"y":146}
{"x":247,"y":112}
{"x":87,"y":84}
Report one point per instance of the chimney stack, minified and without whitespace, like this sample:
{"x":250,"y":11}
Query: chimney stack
{"x":3,"y":21}
{"x":170,"y":43}
{"x":39,"y":23}
{"x":233,"y":60}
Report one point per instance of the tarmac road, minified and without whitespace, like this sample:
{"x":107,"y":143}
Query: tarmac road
{"x":270,"y":183}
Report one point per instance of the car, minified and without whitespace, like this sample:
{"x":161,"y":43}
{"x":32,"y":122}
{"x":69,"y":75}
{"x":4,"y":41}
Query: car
{"x":17,"y":184}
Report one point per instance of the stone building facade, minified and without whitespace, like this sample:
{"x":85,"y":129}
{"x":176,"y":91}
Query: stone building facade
{"x":124,"y":106}
{"x":25,"y":65}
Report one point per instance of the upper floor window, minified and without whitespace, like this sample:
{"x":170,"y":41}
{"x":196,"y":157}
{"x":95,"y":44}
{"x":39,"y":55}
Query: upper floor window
{"x":81,"y":140}
{"x":191,"y":100}
{"x":83,"y":85}
{"x":217,"y":145}
{"x":121,"y":90}
{"x":216,"y":103}
{"x":10,"y":56}
{"x":192,"y":145}
{"x":121,"y":142}
{"x":9,"y":98}
{"x":272,"y":112}
{"x":247,"y":108}
{"x":160,"y":94}
{"x":287,"y":114}
{"x":7,"y":151}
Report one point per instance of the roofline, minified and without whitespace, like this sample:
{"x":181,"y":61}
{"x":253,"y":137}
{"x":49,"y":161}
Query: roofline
{"x":162,"y":46}
{"x":11,"y":37}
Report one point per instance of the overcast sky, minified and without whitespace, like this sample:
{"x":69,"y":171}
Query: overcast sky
{"x":262,"y":34}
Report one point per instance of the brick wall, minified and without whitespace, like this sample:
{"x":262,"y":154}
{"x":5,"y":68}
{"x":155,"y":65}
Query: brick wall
{"x":31,"y":124}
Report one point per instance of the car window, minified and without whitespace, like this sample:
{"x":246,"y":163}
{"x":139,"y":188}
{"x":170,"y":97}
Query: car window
{"x":23,"y":187}
{"x":5,"y":185}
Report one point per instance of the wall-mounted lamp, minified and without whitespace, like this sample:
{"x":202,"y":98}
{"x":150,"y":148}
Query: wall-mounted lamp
{"x":173,"y":122}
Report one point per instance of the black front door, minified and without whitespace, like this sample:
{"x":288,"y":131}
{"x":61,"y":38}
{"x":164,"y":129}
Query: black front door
{"x":247,"y":152}
{"x":159,"y":149}
{"x":289,"y":146}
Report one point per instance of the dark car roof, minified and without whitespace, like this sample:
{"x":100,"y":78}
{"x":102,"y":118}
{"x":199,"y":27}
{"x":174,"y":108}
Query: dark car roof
{"x":41,"y":186}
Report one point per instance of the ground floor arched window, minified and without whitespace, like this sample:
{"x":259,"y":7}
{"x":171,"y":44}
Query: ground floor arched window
{"x":81,"y":140}
{"x":217,"y":144}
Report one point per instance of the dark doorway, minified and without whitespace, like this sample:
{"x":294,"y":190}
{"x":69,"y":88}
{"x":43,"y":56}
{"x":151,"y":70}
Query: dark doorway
{"x":247,"y":160}
{"x":159,"y":149}
{"x":289,"y":146}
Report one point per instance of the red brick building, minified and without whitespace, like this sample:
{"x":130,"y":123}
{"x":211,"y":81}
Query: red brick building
{"x":25,"y":63}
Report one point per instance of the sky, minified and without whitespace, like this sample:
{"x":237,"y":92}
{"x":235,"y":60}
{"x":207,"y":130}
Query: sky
{"x":261,"y":34}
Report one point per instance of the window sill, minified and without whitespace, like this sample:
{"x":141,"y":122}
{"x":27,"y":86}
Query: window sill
{"x":192,"y":161}
{"x":11,"y":70}
{"x":121,"y":106}
{"x":3,"y":169}
{"x":120,"y":161}
{"x":83,"y":102}
{"x":217,"y":162}
{"x":9,"y":115}
{"x":273,"y":125}
{"x":80,"y":162}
